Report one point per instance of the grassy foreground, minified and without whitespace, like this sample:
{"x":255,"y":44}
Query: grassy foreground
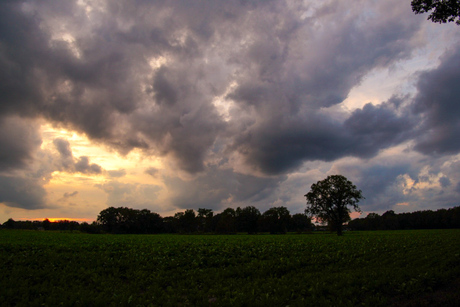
{"x":360,"y":268}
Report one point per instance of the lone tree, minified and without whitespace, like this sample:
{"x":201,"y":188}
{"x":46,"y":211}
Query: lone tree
{"x":329,"y":200}
{"x":443,"y":10}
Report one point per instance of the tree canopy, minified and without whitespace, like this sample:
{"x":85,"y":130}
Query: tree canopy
{"x":329,"y":199}
{"x":442,"y":11}
{"x":248,"y":219}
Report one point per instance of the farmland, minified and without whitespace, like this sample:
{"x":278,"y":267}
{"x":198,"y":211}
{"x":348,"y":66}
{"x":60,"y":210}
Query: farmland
{"x":361,"y":268}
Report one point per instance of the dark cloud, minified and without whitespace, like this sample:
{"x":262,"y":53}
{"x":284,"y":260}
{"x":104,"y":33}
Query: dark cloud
{"x":219,"y":188}
{"x":63,"y":147}
{"x":380,"y":180}
{"x":276,"y":148}
{"x":67,"y":195}
{"x":164,"y":89}
{"x":23,"y":45}
{"x":65,"y":152}
{"x":437,"y":103}
{"x":283,"y":145}
{"x":83,"y":166}
{"x":288,"y":127}
{"x":445,"y":182}
{"x":378,"y":127}
{"x":152,"y":171}
{"x":150,"y":82}
{"x":381,"y":186}
{"x":19,"y":139}
{"x":117,"y":173}
{"x":20,"y":192}
{"x":135,"y":195}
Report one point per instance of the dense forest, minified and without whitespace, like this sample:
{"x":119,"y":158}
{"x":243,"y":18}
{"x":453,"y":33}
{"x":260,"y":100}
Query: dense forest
{"x":276,"y":220}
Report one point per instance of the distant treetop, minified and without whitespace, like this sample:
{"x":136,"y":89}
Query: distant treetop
{"x":442,"y":11}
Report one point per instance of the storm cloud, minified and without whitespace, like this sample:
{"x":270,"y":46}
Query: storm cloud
{"x":22,"y":192}
{"x":150,"y":82}
{"x":19,"y":139}
{"x":233,"y":96}
{"x":437,"y":102}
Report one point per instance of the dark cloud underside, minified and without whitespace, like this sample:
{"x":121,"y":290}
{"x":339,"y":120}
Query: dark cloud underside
{"x":438,"y":103}
{"x":19,"y":139}
{"x":22,"y":192}
{"x":146,"y":75}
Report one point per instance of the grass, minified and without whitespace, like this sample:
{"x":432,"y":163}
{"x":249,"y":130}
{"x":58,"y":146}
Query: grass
{"x":361,"y":268}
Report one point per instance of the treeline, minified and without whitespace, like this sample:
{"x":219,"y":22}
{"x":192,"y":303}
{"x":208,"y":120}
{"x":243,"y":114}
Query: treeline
{"x":428,"y":219}
{"x":123,"y":220}
{"x":63,"y":225}
{"x":249,"y":220}
{"x":276,"y":220}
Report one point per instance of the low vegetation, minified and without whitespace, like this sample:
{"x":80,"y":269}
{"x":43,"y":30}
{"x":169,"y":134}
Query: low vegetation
{"x":377,"y":268}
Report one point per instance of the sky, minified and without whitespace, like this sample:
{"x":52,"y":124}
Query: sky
{"x":174,"y":105}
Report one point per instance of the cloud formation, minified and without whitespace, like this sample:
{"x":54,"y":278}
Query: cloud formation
{"x":150,"y":82}
{"x":17,"y":191}
{"x":437,"y":105}
{"x":238,"y":95}
{"x":68,"y":163}
{"x":137,"y":196}
{"x":19,"y":139}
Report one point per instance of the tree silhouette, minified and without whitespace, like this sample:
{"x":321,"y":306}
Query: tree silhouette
{"x":301,"y":222}
{"x":205,"y":219}
{"x":276,"y":220}
{"x":225,"y":221}
{"x":10,"y":224}
{"x":127,"y":220}
{"x":247,"y":219}
{"x":442,"y":11}
{"x":46,"y":224}
{"x":329,"y":200}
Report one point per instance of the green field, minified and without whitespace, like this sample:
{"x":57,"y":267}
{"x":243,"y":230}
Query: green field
{"x":320,"y":269}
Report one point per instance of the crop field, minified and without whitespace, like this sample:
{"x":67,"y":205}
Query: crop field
{"x":359,"y":269}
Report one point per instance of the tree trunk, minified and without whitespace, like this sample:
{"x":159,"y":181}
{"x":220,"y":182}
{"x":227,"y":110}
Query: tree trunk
{"x":339,"y":229}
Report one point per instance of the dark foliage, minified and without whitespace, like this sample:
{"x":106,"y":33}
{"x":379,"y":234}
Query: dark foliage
{"x":124,"y":220}
{"x":204,"y":220}
{"x":442,"y":11}
{"x":248,"y":219}
{"x":440,"y":219}
{"x":225,"y":221}
{"x":63,"y":225}
{"x":300,"y":222}
{"x":276,"y":220}
{"x":329,"y":201}
{"x":127,"y":220}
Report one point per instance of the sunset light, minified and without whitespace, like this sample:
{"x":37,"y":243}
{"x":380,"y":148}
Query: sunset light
{"x":58,"y":219}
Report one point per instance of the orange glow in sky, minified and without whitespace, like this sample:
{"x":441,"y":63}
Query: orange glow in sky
{"x":57,"y":219}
